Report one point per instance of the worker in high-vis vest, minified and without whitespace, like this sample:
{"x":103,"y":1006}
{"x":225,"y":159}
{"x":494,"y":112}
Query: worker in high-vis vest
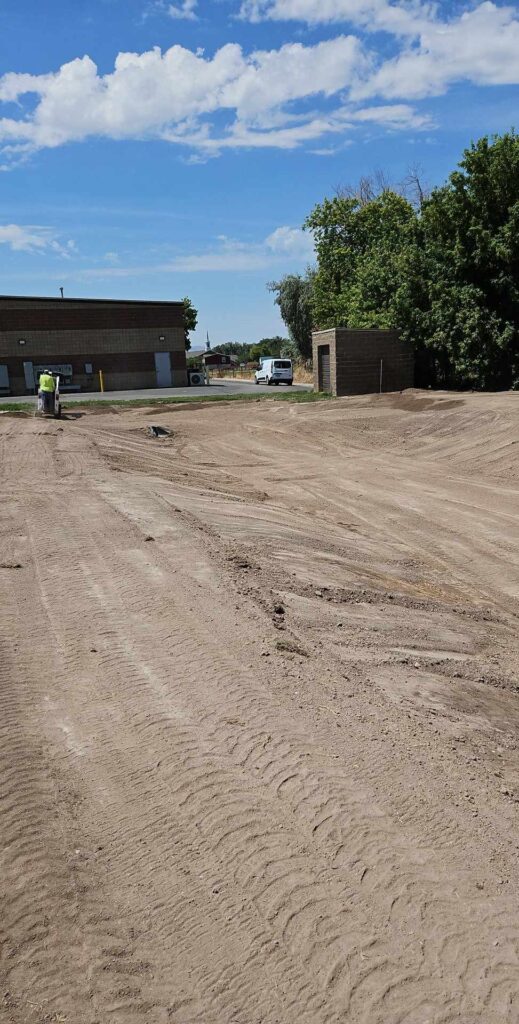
{"x":46,"y":389}
{"x":47,"y":382}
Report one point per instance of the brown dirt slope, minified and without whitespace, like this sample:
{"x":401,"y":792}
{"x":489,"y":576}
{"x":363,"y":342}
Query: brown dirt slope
{"x":259,"y":709}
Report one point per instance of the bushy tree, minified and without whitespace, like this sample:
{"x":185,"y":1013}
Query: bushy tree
{"x":294,"y":298}
{"x":364,"y":252}
{"x":235,"y":348}
{"x":442,"y":267}
{"x":470,"y":251}
{"x":190,"y":321}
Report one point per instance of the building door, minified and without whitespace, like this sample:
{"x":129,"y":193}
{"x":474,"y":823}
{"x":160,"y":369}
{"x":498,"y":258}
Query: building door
{"x":323,"y":356}
{"x":28,"y":372}
{"x":4,"y":379}
{"x":163,"y":369}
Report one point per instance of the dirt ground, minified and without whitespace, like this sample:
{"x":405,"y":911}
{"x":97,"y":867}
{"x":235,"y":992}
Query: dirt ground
{"x":259,"y":714}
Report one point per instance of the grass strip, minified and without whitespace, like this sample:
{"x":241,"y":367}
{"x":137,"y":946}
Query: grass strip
{"x":128,"y":403}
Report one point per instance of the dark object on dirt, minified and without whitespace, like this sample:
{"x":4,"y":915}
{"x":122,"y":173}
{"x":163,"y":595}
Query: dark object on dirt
{"x":240,"y":563}
{"x":279,"y":610}
{"x":11,"y":565}
{"x":291,"y":648}
{"x":148,"y":538}
{"x":159,"y":432}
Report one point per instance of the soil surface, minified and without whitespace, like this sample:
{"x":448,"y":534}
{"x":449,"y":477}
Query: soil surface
{"x":259,"y":713}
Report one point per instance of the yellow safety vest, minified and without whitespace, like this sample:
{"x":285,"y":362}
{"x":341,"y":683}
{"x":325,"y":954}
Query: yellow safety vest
{"x":47,"y":383}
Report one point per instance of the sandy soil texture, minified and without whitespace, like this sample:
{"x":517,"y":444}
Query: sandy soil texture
{"x":259,"y":714}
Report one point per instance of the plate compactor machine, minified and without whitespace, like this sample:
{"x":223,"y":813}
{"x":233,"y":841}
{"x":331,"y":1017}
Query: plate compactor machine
{"x":49,"y":402}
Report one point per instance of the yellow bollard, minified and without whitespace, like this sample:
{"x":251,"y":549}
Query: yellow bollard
{"x":101,"y":380}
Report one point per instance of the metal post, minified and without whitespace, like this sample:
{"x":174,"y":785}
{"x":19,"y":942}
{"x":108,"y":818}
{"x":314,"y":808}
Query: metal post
{"x":101,"y":380}
{"x":381,"y":372}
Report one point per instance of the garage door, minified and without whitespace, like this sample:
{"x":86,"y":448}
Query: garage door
{"x":324,"y":368}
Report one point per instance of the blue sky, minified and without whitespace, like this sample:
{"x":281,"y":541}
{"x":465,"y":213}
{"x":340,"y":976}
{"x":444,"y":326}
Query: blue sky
{"x":151,"y":149}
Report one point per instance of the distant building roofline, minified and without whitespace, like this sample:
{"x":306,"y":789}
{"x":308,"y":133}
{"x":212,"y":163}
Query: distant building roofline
{"x":118,"y":302}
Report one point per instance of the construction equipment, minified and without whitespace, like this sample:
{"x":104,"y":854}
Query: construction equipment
{"x":49,"y":403}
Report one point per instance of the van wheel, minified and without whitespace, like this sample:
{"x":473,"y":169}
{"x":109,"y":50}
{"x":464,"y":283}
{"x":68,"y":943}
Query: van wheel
{"x":268,"y":381}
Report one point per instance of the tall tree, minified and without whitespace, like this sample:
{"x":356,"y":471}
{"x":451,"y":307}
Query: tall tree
{"x":294,"y":298}
{"x":364,"y":249}
{"x":190,"y":321}
{"x":470,"y":250}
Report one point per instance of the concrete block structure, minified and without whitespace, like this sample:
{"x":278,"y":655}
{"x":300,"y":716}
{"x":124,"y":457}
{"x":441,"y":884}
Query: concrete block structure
{"x":350,"y":362}
{"x":135,"y":344}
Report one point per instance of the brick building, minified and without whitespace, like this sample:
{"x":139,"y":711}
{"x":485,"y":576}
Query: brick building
{"x":212,"y":359}
{"x":135,"y":344}
{"x":349,"y":362}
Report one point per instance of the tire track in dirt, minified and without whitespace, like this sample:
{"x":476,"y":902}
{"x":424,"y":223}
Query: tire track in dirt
{"x":37,"y":875}
{"x":360,"y":841}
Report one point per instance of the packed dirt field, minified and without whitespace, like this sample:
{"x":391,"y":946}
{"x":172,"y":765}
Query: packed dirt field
{"x":259,"y":713}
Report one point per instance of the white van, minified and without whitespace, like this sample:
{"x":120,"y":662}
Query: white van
{"x":275,"y":371}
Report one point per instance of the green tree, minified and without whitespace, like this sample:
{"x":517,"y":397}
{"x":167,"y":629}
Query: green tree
{"x":190,"y":321}
{"x":294,"y":298}
{"x":265,"y":347}
{"x":470,"y":254}
{"x":235,"y":348}
{"x":364,"y":252}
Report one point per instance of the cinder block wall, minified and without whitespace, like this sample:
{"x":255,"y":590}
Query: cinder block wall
{"x":355,"y":358}
{"x":116,"y":337}
{"x":328,"y":339}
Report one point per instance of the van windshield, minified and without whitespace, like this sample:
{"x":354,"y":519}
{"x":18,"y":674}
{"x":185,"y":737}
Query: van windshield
{"x":282,"y":364}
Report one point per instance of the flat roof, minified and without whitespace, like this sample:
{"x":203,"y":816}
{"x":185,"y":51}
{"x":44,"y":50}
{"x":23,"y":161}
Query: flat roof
{"x":117,"y":302}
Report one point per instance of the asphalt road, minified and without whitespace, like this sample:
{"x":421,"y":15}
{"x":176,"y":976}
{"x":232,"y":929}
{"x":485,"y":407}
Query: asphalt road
{"x":219,"y":387}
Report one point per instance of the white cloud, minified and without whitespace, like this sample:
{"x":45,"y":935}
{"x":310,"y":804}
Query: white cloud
{"x":284,"y":98}
{"x":373,"y":15}
{"x":186,"y":10}
{"x":293,"y":242}
{"x":481,"y":46}
{"x":284,"y":245}
{"x":150,"y":93}
{"x":394,"y":116}
{"x":174,"y":96}
{"x":35,"y":239}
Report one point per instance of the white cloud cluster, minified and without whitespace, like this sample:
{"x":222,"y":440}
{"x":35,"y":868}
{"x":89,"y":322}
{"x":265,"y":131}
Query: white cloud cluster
{"x":186,"y":10}
{"x":182,"y":10}
{"x":149,"y":91}
{"x":291,"y":242}
{"x":481,"y":47}
{"x":374,"y":15}
{"x":35,"y":239}
{"x":282,"y":97}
